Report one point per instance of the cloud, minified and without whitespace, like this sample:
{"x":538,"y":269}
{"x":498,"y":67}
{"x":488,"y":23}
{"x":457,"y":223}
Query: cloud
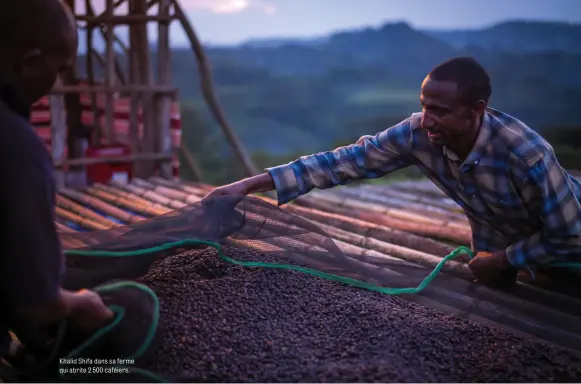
{"x":228,"y":6}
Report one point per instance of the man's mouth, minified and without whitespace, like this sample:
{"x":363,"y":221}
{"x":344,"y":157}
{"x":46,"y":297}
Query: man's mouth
{"x":434,"y":135}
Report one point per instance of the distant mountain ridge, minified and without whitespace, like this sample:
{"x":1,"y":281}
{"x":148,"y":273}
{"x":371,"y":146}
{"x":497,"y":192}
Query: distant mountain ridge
{"x":516,"y":35}
{"x":301,"y":95}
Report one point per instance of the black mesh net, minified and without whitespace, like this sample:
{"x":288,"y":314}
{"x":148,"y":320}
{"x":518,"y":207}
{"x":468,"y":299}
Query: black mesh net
{"x":246,"y":231}
{"x":234,"y":223}
{"x":214,"y":311}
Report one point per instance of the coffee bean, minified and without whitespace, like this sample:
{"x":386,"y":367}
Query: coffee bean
{"x":228,"y":323}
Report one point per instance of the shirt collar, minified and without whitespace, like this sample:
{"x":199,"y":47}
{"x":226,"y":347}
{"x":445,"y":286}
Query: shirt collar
{"x":13,"y":97}
{"x":480,"y":146}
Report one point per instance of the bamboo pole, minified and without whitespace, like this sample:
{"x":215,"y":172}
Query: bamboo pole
{"x":59,"y":133}
{"x":84,"y":222}
{"x":389,"y":235}
{"x":425,"y":187}
{"x":363,"y":213}
{"x":119,"y":76}
{"x":146,"y":80}
{"x":149,"y":195}
{"x":208,"y":92}
{"x":422,"y":209}
{"x":63,"y":228}
{"x":191,"y":162}
{"x":161,"y":209}
{"x":150,"y":90}
{"x":412,"y":255}
{"x":444,"y":202}
{"x":420,"y":258}
{"x":167,"y":191}
{"x":539,"y":321}
{"x":134,"y":78}
{"x":81,"y":211}
{"x":524,"y":291}
{"x":125,"y":203}
{"x":113,"y":159}
{"x":96,"y":134}
{"x":102,"y":206}
{"x":109,"y":75}
{"x":163,"y":102}
{"x":395,"y":213}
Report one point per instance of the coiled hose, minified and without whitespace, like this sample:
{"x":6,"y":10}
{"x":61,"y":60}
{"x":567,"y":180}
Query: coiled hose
{"x":119,"y":311}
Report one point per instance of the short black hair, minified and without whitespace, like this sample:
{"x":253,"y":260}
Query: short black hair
{"x":471,"y":77}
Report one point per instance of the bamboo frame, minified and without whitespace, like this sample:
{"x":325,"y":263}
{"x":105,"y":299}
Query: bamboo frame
{"x":151,"y":153}
{"x":456,"y":292}
{"x":526,"y":310}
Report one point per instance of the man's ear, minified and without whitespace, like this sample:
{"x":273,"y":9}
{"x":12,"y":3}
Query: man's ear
{"x":479,"y":108}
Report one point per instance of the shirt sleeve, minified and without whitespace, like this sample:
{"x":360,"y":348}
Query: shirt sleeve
{"x":550,"y":187}
{"x":32,"y":264}
{"x":370,"y":157}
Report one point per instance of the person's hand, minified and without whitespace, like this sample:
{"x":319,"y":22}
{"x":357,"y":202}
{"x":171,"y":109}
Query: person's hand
{"x":259,"y":183}
{"x":238,"y":188}
{"x":88,"y":312}
{"x":488,"y":267}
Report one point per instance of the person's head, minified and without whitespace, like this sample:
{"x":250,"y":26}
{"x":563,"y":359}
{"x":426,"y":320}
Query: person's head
{"x":39,"y":41}
{"x":454,"y":97}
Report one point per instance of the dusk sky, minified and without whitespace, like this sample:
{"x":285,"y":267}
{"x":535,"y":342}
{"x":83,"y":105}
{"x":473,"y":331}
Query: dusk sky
{"x":233,"y":21}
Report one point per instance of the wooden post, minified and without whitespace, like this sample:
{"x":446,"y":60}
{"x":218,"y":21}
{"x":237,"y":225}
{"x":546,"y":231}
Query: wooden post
{"x":109,"y":76}
{"x":163,"y":101}
{"x":134,"y":78}
{"x":146,"y":168}
{"x":59,"y":133}
{"x":208,"y":92}
{"x":96,"y":134}
{"x":77,"y":132}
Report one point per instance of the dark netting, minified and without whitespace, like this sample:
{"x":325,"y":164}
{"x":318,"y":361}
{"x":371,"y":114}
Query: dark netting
{"x":119,"y":352}
{"x":251,"y":293}
{"x":279,"y":238}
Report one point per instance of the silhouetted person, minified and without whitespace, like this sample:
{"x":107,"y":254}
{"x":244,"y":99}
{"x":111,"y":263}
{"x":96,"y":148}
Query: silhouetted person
{"x":38,"y":40}
{"x":524,"y":208}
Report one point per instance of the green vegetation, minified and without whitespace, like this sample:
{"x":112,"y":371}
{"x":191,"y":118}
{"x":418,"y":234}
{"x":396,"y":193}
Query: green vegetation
{"x":289,"y":98}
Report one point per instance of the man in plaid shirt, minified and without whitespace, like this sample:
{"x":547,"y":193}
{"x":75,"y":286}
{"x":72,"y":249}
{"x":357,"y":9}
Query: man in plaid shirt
{"x":524,"y":208}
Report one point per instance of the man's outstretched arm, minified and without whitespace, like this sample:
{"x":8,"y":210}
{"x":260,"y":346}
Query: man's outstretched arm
{"x":549,"y":186}
{"x":370,"y":157}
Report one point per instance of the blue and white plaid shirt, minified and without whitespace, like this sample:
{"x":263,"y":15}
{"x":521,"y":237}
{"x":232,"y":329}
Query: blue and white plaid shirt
{"x":514,"y":191}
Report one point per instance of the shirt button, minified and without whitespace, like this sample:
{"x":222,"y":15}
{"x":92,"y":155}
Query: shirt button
{"x":476,"y":162}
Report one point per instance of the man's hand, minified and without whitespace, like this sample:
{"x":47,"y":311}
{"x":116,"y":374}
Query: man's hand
{"x":488,"y":267}
{"x":88,"y":312}
{"x":238,"y":188}
{"x":259,"y":183}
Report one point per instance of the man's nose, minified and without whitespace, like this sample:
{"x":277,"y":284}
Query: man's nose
{"x":427,"y":122}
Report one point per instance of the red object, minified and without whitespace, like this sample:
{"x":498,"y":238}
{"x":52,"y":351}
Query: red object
{"x":41,"y":119}
{"x":105,"y":172}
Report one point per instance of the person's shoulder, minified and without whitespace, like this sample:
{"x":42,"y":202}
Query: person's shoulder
{"x":525,"y":146}
{"x":20,"y":146}
{"x":16,"y":132}
{"x":406,"y":127}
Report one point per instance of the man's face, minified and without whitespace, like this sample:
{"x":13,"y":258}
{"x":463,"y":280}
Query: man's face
{"x":448,"y":121}
{"x":39,"y":69}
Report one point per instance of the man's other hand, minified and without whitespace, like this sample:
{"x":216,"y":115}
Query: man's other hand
{"x":238,"y":188}
{"x":88,"y":312}
{"x":259,"y":183}
{"x":488,"y":267}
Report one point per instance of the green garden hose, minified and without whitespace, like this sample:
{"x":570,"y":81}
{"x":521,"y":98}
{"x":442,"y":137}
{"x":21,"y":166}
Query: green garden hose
{"x":119,"y":312}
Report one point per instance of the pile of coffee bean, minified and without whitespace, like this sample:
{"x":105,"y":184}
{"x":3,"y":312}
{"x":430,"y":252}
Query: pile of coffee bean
{"x":226,"y":323}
